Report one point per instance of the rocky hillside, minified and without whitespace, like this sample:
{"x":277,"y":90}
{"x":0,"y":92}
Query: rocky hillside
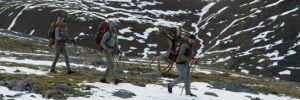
{"x":260,"y":37}
{"x":24,"y":75}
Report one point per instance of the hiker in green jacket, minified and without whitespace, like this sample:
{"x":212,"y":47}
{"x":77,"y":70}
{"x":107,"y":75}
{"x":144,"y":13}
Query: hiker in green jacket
{"x":109,"y":43}
{"x":183,"y":60}
{"x":61,"y":38}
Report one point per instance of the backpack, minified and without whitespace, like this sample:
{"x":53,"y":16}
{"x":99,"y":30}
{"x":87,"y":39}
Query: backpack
{"x":175,"y":38}
{"x":51,"y":34}
{"x":102,"y":29}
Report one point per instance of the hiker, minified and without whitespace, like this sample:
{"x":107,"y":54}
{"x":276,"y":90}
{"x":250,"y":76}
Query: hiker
{"x":109,"y":44}
{"x":61,"y":38}
{"x":183,"y":60}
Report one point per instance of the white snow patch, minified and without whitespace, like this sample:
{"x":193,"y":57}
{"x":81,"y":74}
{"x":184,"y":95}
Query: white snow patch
{"x":10,"y":14}
{"x":285,"y":72}
{"x":274,"y":4}
{"x":245,"y":71}
{"x":298,"y":35}
{"x":152,"y":45}
{"x":146,"y":52}
{"x":81,"y":34}
{"x":208,"y":34}
{"x":126,"y":38}
{"x":90,"y":27}
{"x":32,"y":31}
{"x":262,"y":36}
{"x":125,"y":30}
{"x":24,"y":70}
{"x":223,"y":59}
{"x":133,"y":48}
{"x":261,"y":60}
{"x":147,"y":32}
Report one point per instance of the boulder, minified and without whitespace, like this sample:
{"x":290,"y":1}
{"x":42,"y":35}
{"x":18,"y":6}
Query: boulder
{"x":211,"y":94}
{"x":141,"y":84}
{"x":20,"y":85}
{"x":51,"y":93}
{"x":123,"y":94}
{"x":64,"y":87}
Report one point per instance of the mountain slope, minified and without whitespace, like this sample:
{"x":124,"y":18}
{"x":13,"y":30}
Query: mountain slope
{"x":258,"y":37}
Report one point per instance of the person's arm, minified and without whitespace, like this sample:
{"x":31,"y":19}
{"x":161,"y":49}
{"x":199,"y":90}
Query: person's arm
{"x":104,"y":39}
{"x":182,"y":51}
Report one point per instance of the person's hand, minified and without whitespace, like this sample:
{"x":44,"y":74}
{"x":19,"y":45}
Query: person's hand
{"x":109,"y":50}
{"x":193,"y":61}
{"x":121,"y":53}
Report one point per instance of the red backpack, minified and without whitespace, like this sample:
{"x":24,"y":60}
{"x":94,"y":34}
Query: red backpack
{"x":173,"y":55}
{"x":52,"y":34}
{"x":103,"y":27}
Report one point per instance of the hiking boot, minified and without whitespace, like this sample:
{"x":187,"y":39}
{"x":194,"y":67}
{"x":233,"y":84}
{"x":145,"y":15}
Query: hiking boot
{"x":103,"y":81}
{"x":169,"y":89}
{"x":117,"y":81}
{"x":70,"y":72}
{"x":53,"y":71}
{"x":190,"y":94}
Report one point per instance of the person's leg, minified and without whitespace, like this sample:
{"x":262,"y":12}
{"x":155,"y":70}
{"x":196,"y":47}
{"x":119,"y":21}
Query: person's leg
{"x":182,"y":75}
{"x":108,"y":64}
{"x":57,"y":53}
{"x":187,"y":83}
{"x":65,"y":52}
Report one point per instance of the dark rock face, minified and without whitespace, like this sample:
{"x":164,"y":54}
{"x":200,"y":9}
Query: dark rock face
{"x":20,"y":85}
{"x":235,"y":87}
{"x":123,"y":94}
{"x":211,"y":93}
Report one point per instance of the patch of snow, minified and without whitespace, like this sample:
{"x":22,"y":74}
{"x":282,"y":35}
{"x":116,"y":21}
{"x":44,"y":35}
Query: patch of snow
{"x":261,"y":60}
{"x":24,"y":70}
{"x":152,"y":45}
{"x":146,"y":52}
{"x":81,"y":34}
{"x":298,"y":35}
{"x":10,"y":14}
{"x":223,"y":59}
{"x":255,"y":1}
{"x":285,"y":72}
{"x":260,"y":68}
{"x":288,"y":12}
{"x":125,"y":30}
{"x":81,"y":19}
{"x":141,"y":41}
{"x":126,"y":38}
{"x":274,"y":4}
{"x":147,"y":32}
{"x":90,"y":27}
{"x":132,"y":48}
{"x":245,"y":71}
{"x":262,"y":36}
{"x":32,"y":31}
{"x":208,"y":34}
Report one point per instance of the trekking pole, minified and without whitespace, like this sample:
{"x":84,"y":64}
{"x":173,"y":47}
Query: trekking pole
{"x":77,"y":56}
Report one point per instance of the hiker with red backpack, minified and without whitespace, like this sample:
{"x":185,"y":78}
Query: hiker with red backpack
{"x":183,"y":60}
{"x":107,"y":41}
{"x":61,"y":38}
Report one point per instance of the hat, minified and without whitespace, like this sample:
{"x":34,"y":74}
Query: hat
{"x":192,"y":37}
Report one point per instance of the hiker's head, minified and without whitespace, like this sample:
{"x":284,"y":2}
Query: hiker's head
{"x":52,"y":24}
{"x":191,"y":39}
{"x":113,"y":26}
{"x":64,"y":22}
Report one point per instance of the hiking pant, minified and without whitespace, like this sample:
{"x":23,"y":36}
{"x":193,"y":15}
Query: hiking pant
{"x":184,"y":76}
{"x":110,"y":68}
{"x":60,"y":47}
